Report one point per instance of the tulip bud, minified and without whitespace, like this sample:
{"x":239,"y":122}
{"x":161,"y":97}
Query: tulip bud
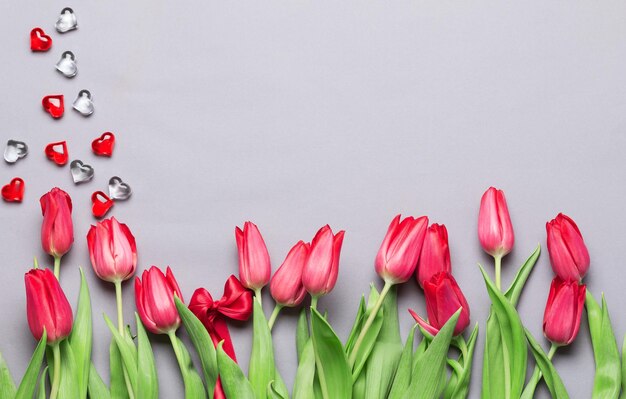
{"x":564,"y":309}
{"x":443,"y":299}
{"x":154,"y":297}
{"x":322,"y":265}
{"x":254,"y":260}
{"x":435,"y":255}
{"x":398,"y":254}
{"x":57,"y":232}
{"x":495,"y":231}
{"x":568,"y":254}
{"x":112,"y":250}
{"x":286,"y":286}
{"x":47,"y":306}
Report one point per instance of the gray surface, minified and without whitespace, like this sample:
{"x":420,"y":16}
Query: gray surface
{"x":297,"y":114}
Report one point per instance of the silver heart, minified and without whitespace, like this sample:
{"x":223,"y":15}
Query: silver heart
{"x":83,"y":103}
{"x":67,"y":21}
{"x":67,"y":65}
{"x":118,"y":190}
{"x":81,"y":172}
{"x":15,"y":150}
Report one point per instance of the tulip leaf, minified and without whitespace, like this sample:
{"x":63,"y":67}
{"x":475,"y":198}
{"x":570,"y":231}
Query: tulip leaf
{"x":41,"y":387}
{"x":262,"y":369}
{"x":550,"y":375}
{"x":380,"y":369}
{"x":302,"y":333}
{"x":402,"y":379}
{"x":305,"y":375}
{"x":331,"y":362}
{"x":69,"y":372}
{"x":623,"y":368}
{"x":356,"y":327}
{"x":147,"y":379}
{"x":359,"y":386}
{"x":202,"y":342}
{"x":234,"y":383}
{"x":116,"y":367}
{"x":607,"y":380}
{"x":96,"y":388}
{"x":458,"y":386}
{"x":7,"y":386}
{"x":367,"y":344}
{"x":515,"y":290}
{"x":81,"y":337}
{"x":275,"y":393}
{"x":127,"y":352}
{"x":194,"y":388}
{"x":26,"y":390}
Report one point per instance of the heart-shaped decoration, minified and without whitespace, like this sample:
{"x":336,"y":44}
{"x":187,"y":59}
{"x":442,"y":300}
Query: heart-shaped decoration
{"x":57,"y":152}
{"x":39,"y":41}
{"x":81,"y":172}
{"x":15,"y":150}
{"x":67,"y":65}
{"x":67,"y":21}
{"x":103,"y":145}
{"x":14,"y":191}
{"x":118,"y":190}
{"x":83,"y":103}
{"x":100,"y":204}
{"x":54,"y":105}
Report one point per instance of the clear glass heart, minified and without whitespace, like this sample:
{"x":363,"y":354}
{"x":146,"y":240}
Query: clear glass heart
{"x":67,"y":21}
{"x":118,"y":190}
{"x":67,"y":65}
{"x":83,"y":103}
{"x":15,"y":150}
{"x":81,"y":172}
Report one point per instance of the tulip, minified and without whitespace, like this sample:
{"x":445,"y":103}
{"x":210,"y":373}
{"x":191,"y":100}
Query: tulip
{"x":398,"y":254}
{"x":495,"y":231}
{"x":435,"y":255}
{"x":57,"y":231}
{"x":46,"y":306}
{"x":443,"y":299}
{"x":154,"y":297}
{"x":322,"y":265}
{"x":564,"y":309}
{"x":254,"y":260}
{"x":568,"y":254}
{"x":286,"y":286}
{"x":112,"y":250}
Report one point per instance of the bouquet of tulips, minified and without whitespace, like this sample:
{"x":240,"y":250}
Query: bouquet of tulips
{"x":373,"y":362}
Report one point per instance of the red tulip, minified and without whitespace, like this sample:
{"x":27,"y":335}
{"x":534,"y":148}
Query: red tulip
{"x":568,"y":254}
{"x":322,"y":265}
{"x":286,"y":286}
{"x":564,"y":309}
{"x":112,"y":250}
{"x":495,"y":231}
{"x":57,"y":232}
{"x":435,"y":255}
{"x":46,"y":306}
{"x":398,"y":254}
{"x":254,"y":260}
{"x":443,"y":299}
{"x":154,"y":296}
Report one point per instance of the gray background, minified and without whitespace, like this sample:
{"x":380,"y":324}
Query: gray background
{"x":297,"y":114}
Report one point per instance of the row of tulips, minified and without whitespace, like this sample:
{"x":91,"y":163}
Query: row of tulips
{"x":372,"y":363}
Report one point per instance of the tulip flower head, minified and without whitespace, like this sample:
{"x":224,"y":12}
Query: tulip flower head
{"x":322,"y":265}
{"x":154,"y":297}
{"x":254,"y":260}
{"x":564,"y":309}
{"x":435,"y":256}
{"x":286,"y":285}
{"x":568,"y":253}
{"x":47,"y":306}
{"x":495,"y":230}
{"x":398,"y":254}
{"x":57,"y":231}
{"x":112,"y":250}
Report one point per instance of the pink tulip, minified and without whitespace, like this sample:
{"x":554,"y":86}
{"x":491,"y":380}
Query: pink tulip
{"x":112,"y":250}
{"x":435,"y":255}
{"x":443,"y":299}
{"x":57,"y":232}
{"x":154,"y":297}
{"x":564,"y":309}
{"x":47,"y":306}
{"x":322,"y":265}
{"x":495,"y":231}
{"x":254,"y":260}
{"x":286,"y":286}
{"x":398,"y":254}
{"x":568,"y":254}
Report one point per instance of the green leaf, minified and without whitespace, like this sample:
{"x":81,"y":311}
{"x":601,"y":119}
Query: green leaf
{"x":402,"y":378}
{"x":550,"y":375}
{"x":147,"y":379}
{"x":96,"y":388}
{"x":305,"y":375}
{"x":607,"y":381}
{"x":302,"y":333}
{"x":203,"y":344}
{"x":261,"y":370}
{"x":81,"y":337}
{"x":380,"y":369}
{"x":390,"y":330}
{"x":26,"y":390}
{"x":235,"y":384}
{"x":68,"y":388}
{"x":127,"y":352}
{"x":515,"y":290}
{"x":623,"y":396}
{"x":275,"y":393}
{"x":458,"y":387}
{"x":331,"y":362}
{"x":194,"y":388}
{"x":367,"y":344}
{"x":356,"y":327}
{"x":359,"y":386}
{"x":118,"y":384}
{"x":41,"y":388}
{"x":7,"y":386}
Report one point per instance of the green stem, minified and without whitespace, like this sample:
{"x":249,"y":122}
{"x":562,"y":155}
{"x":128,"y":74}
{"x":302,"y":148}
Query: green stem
{"x":274,"y":315}
{"x":368,"y":323}
{"x":179,"y":355}
{"x":57,"y":266}
{"x":498,"y":261}
{"x":257,"y":295}
{"x":529,"y":390}
{"x":314,"y":300}
{"x":56,"y":378}
{"x":460,"y":343}
{"x":120,"y":304}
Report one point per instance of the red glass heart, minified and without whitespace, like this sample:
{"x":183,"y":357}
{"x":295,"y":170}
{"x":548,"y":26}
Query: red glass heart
{"x":14,"y":191}
{"x":59,"y":158}
{"x":104,"y":144}
{"x":100,"y":204}
{"x":39,"y":41}
{"x":54,"y":105}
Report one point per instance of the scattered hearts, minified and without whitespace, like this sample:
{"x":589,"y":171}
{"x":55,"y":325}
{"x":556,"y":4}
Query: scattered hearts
{"x":83,"y":103}
{"x":14,"y":191}
{"x":103,"y":145}
{"x":39,"y":41}
{"x":67,"y":65}
{"x":15,"y":150}
{"x":58,"y":157}
{"x":67,"y":21}
{"x":81,"y":172}
{"x":100,"y":204}
{"x":53,"y":105}
{"x":118,"y":190}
